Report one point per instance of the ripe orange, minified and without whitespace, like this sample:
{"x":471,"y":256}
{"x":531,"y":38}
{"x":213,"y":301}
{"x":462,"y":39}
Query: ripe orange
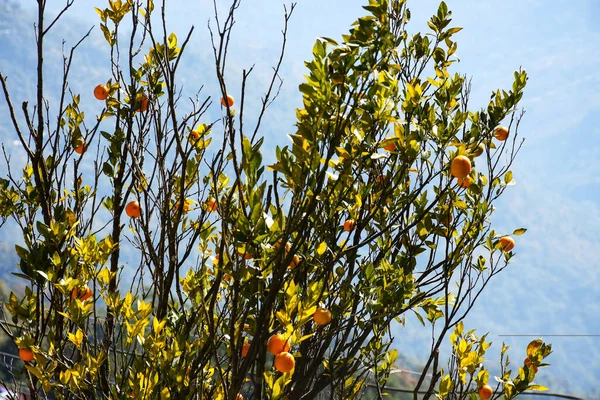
{"x":464,"y":182}
{"x":527,"y":363}
{"x":212,"y":205}
{"x":228,"y":277}
{"x":501,"y":133}
{"x":390,"y":147}
{"x":101,"y":92}
{"x":245,"y":349}
{"x":277,"y":344}
{"x":507,"y":243}
{"x":322,"y":316}
{"x":245,"y":254}
{"x":288,"y":246}
{"x":284,"y":362}
{"x":349,"y":225}
{"x":228,"y":101}
{"x":380,"y":179}
{"x":142,"y":103}
{"x":83,"y":295}
{"x":194,"y":135}
{"x":133,"y":209}
{"x":460,"y":167}
{"x":294,"y":263}
{"x":485,"y":392}
{"x":26,"y":355}
{"x":239,"y":397}
{"x":80,"y":149}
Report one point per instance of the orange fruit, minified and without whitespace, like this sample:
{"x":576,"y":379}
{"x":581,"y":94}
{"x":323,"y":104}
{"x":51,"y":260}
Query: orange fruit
{"x":381,"y":179}
{"x":322,"y":316}
{"x":142,"y":103}
{"x":194,"y":135}
{"x":507,"y":243}
{"x":246,"y":327}
{"x":277,"y":344}
{"x":485,"y":392}
{"x":212,"y":204}
{"x":501,"y":133}
{"x":390,"y":147}
{"x":101,"y":92}
{"x":80,"y":149}
{"x":83,"y":295}
{"x":228,"y":277}
{"x":284,"y":362}
{"x":133,"y":209}
{"x":245,"y":254}
{"x":349,"y":225}
{"x":26,"y":355}
{"x":527,"y":363}
{"x":464,"y":182}
{"x":288,"y":246}
{"x":460,"y":167}
{"x":294,"y":263}
{"x":245,"y":349}
{"x":239,"y":397}
{"x":227,"y":101}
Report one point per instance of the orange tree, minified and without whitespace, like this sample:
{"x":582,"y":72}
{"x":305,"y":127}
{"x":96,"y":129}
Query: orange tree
{"x":247,"y":279}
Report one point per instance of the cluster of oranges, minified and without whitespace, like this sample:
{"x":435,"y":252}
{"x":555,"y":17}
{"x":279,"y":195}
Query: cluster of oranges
{"x":460,"y":168}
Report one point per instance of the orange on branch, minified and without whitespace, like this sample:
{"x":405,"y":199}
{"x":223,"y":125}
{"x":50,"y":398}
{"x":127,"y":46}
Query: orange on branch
{"x":322,"y":316}
{"x":485,"y":392}
{"x":390,"y":147}
{"x":212,"y":205}
{"x":284,"y":362}
{"x":133,"y":210}
{"x":101,"y":92}
{"x":245,"y":349}
{"x":464,"y":182}
{"x":80,"y":149}
{"x":295,"y":261}
{"x":501,"y":133}
{"x":239,"y":397}
{"x":82,"y":295}
{"x":142,"y":103}
{"x":227,"y":101}
{"x":26,"y":355}
{"x":460,"y":167}
{"x":277,"y":344}
{"x":349,"y":225}
{"x":507,"y":243}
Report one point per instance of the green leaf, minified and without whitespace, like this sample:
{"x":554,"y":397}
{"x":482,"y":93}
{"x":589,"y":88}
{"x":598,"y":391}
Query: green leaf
{"x":519,"y":232}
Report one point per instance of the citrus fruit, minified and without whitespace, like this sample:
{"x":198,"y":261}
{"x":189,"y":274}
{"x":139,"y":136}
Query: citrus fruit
{"x":245,"y":349}
{"x":390,"y":147}
{"x":464,"y":182}
{"x":142,"y":103}
{"x":132,"y":209}
{"x":212,"y":205}
{"x":294,"y":263}
{"x":227,"y":101}
{"x":284,"y":362}
{"x":507,"y":243}
{"x":277,"y":344}
{"x":501,"y":133}
{"x":101,"y":92}
{"x":485,"y":392}
{"x":349,"y":225}
{"x":80,"y":149}
{"x":82,"y":295}
{"x":26,"y":355}
{"x":460,"y":167}
{"x":322,"y":316}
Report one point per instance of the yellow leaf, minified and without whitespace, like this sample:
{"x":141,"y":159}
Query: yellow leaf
{"x":321,"y":249}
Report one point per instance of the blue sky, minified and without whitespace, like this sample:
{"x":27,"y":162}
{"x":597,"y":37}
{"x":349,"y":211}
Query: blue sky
{"x":552,"y":286}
